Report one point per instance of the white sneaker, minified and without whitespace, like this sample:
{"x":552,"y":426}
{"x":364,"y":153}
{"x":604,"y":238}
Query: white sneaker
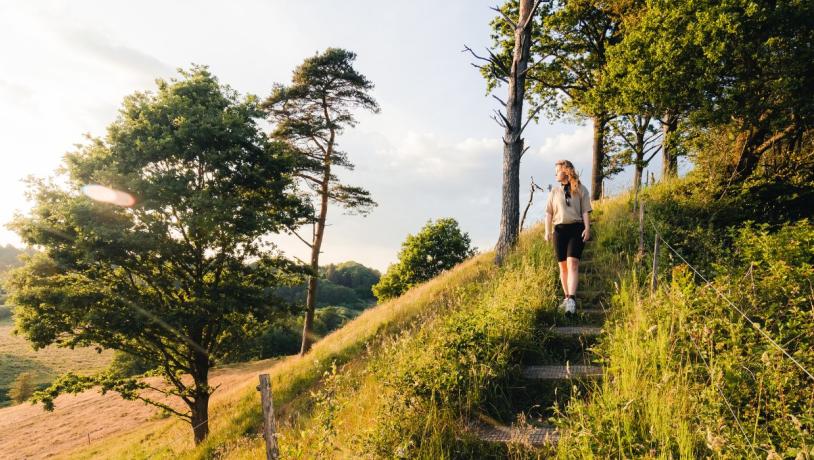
{"x":564,"y":304}
{"x":570,"y":305}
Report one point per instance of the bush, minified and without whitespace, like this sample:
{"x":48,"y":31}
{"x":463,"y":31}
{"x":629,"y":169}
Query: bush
{"x":22,"y":388}
{"x":128,"y":365}
{"x":437,"y":247}
{"x":5,"y":313}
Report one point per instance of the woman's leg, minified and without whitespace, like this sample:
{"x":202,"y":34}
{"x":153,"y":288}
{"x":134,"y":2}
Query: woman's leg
{"x":574,"y":252}
{"x":564,"y":275}
{"x":573,"y":275}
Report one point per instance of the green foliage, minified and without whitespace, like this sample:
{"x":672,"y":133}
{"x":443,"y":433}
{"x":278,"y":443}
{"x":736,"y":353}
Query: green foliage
{"x":10,"y":257}
{"x":168,"y":279}
{"x":22,"y":388}
{"x":355,"y":276}
{"x":128,"y":365}
{"x":311,"y":112}
{"x":438,"y":246}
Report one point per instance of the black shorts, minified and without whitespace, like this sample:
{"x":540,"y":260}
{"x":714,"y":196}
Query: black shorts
{"x":568,"y":240}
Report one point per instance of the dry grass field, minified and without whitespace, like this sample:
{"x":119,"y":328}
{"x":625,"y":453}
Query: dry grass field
{"x":29,"y":432}
{"x":17,"y":356}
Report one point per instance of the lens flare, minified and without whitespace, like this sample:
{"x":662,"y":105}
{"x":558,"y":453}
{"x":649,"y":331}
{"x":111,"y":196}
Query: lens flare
{"x":108,"y":195}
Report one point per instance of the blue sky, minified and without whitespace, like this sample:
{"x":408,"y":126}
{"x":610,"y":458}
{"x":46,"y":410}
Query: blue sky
{"x":432,"y":152}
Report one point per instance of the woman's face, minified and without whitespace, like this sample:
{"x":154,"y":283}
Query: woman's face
{"x":559,"y":172}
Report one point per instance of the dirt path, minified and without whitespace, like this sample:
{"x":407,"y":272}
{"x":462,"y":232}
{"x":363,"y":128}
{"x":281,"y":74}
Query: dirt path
{"x":29,"y":432}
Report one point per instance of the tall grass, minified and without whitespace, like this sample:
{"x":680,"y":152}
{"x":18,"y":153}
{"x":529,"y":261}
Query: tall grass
{"x":408,"y":396}
{"x":686,"y":375}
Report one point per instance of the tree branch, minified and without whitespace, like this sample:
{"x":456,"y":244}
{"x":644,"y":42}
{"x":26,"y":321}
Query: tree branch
{"x":505,"y":17}
{"x":298,"y":236}
{"x":531,"y":117}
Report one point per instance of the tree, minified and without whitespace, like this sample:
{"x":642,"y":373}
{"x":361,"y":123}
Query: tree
{"x":510,"y":68}
{"x":656,"y":70}
{"x":355,"y":276}
{"x":740,"y":66}
{"x":184,"y":275}
{"x":639,"y":143}
{"x":439,"y":246}
{"x":21,"y":388}
{"x":310,"y":114}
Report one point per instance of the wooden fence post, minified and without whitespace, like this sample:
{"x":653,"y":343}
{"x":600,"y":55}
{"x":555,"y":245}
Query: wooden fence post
{"x":269,"y":426}
{"x":655,"y":282}
{"x":641,"y":230}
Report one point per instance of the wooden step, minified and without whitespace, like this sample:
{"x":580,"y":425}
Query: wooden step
{"x":560,"y":372}
{"x":535,"y":436}
{"x":571,"y":331}
{"x":591,"y":311}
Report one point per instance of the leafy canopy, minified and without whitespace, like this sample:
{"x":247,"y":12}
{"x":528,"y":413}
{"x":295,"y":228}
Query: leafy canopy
{"x":439,"y":246}
{"x":182,"y":277}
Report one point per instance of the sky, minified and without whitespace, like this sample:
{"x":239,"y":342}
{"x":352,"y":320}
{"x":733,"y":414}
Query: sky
{"x":431,"y":152}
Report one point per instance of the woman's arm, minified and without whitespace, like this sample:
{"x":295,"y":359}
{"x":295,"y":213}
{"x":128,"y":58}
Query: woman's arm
{"x":548,"y":219}
{"x":586,"y":219}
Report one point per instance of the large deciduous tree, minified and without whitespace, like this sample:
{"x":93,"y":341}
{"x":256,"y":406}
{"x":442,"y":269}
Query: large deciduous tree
{"x":741,"y":66}
{"x":182,"y":276}
{"x":571,"y":47}
{"x":310,"y":114}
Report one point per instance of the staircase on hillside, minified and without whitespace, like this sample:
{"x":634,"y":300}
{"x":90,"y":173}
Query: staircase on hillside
{"x":551,"y":372}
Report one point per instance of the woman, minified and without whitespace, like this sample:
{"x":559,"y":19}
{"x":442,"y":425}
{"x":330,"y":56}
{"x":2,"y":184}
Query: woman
{"x":567,"y":209}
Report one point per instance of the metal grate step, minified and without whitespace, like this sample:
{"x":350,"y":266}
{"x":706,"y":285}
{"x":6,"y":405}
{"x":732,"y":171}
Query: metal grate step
{"x":560,"y":372}
{"x":570,"y":331}
{"x":536,"y":436}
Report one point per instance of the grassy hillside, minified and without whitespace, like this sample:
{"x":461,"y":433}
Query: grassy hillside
{"x":686,"y":376}
{"x":235,"y":421}
{"x":17,"y":356}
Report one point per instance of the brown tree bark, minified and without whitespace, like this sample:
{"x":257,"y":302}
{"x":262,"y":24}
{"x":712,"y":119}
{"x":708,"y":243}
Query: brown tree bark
{"x":512,"y":140}
{"x":597,"y":175}
{"x":669,"y":165}
{"x":199,"y":406}
{"x":200,"y":417}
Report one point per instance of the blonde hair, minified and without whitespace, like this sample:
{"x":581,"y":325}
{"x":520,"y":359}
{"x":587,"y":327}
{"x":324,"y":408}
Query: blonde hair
{"x":571,"y":174}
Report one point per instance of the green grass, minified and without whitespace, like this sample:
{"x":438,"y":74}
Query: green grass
{"x":17,"y":356}
{"x":399,"y":380}
{"x":678,"y":357}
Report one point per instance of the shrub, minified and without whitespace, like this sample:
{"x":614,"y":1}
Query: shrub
{"x":437,"y":247}
{"x":22,"y":387}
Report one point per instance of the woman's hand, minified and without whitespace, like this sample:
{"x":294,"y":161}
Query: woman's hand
{"x":547,"y":236}
{"x":586,"y":234}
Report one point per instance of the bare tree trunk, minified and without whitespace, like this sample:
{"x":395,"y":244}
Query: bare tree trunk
{"x":641,"y":129}
{"x":512,"y":142}
{"x":669,"y":168}
{"x":310,"y":300}
{"x":200,"y":417}
{"x":316,"y":245}
{"x":200,"y":404}
{"x":598,"y":155}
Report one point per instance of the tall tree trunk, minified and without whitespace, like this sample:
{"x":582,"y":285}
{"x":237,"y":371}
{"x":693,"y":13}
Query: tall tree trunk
{"x":316,"y":246}
{"x":669,"y":165}
{"x":200,"y":404}
{"x":641,"y":130}
{"x":512,"y":142}
{"x":597,"y":174}
{"x":200,"y":417}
